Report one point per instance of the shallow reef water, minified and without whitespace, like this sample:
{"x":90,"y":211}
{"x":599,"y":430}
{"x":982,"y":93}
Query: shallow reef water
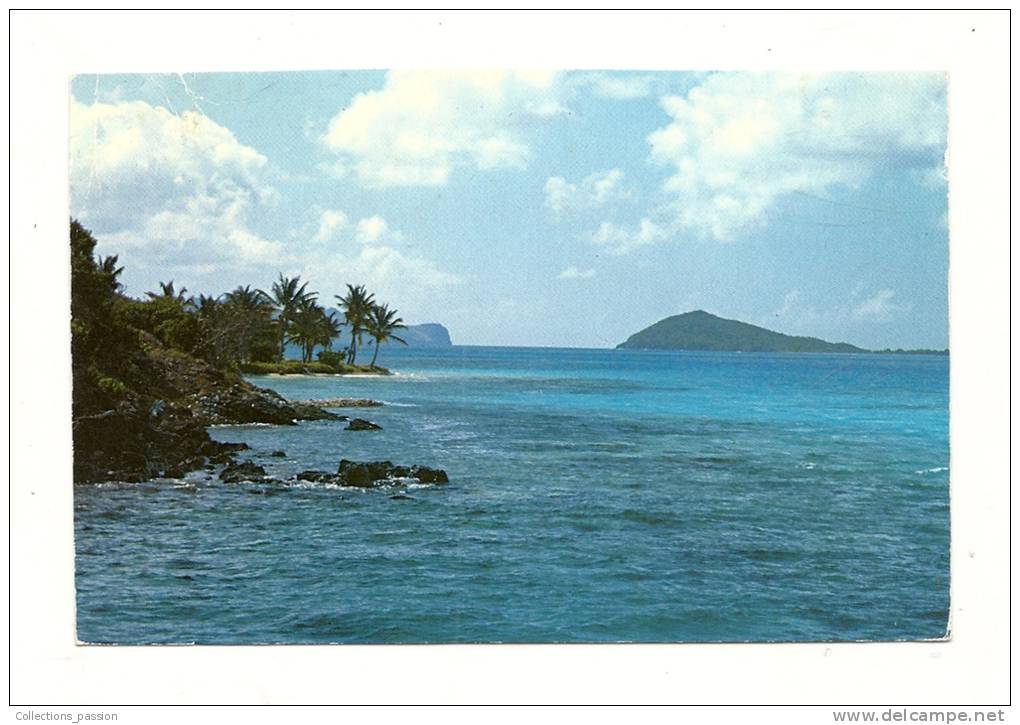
{"x":594,"y":496}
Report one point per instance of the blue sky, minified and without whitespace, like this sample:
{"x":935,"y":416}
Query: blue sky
{"x":534,"y":208}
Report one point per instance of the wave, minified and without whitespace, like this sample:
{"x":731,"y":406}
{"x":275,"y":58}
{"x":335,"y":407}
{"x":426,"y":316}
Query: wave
{"x":243,"y":425}
{"x":938,"y":469}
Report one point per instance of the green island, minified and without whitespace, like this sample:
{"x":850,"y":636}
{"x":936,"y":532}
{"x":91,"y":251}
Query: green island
{"x":700,"y":330}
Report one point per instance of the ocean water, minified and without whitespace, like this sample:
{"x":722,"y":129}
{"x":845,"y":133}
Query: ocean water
{"x":594,"y":496}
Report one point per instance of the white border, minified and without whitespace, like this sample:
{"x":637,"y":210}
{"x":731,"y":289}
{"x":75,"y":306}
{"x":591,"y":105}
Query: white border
{"x":46,"y":48}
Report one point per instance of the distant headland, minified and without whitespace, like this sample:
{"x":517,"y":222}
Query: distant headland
{"x":700,"y":330}
{"x":429,"y":334}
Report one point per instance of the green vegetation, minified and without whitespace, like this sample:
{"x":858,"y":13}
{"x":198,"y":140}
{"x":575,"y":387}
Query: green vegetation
{"x":381,"y":324}
{"x":105,"y":350}
{"x":700,"y":330}
{"x":357,"y":306}
{"x":319,"y":367}
{"x":245,"y":329}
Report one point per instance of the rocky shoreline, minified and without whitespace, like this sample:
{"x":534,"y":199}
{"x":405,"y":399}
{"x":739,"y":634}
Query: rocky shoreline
{"x":141,"y":439}
{"x":138,"y":440}
{"x":162,"y":432}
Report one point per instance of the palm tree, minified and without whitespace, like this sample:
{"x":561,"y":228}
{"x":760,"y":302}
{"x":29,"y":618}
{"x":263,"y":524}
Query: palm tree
{"x":167,"y":292}
{"x":108,"y":267}
{"x":381,"y":324}
{"x":248,"y":312}
{"x":287,"y":296}
{"x":330,"y":327}
{"x":206,"y":305}
{"x":307,"y":328}
{"x":357,"y":306}
{"x":248,"y":299}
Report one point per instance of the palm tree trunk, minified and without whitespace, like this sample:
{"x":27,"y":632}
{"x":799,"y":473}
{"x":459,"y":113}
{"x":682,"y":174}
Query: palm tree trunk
{"x":354,"y":346}
{"x":376,"y":353}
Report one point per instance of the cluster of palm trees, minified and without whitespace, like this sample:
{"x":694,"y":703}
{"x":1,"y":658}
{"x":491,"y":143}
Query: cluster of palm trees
{"x":249,"y":324}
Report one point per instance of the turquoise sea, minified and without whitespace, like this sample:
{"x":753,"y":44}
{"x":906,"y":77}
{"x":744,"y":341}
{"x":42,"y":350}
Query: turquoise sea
{"x":594,"y":496}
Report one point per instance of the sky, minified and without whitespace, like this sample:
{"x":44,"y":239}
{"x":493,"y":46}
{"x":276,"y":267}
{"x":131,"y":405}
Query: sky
{"x":534,"y":208}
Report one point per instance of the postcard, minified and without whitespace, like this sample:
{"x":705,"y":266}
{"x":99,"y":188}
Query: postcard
{"x":510,"y":356}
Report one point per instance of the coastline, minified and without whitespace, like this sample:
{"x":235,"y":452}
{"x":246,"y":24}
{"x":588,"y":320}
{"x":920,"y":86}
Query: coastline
{"x":296,"y":367}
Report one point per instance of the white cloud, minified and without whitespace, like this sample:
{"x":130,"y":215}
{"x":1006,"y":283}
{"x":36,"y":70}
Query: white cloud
{"x":573,"y":272}
{"x":371,"y":229}
{"x":363,"y":253}
{"x":739,"y":141}
{"x":422,"y":124}
{"x":179,"y":197}
{"x":880,"y":307}
{"x":331,"y":224}
{"x":621,"y":240}
{"x":181,"y":187}
{"x":592,"y":191}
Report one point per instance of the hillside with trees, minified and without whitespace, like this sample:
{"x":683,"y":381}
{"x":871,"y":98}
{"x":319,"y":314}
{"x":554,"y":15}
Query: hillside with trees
{"x":150,"y":374}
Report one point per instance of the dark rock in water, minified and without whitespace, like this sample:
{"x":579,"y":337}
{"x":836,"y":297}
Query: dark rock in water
{"x":278,"y":454}
{"x":380,"y":473}
{"x":401,"y":497}
{"x":429,"y":475}
{"x":362,"y":424}
{"x":317,"y":476}
{"x":220,"y":453}
{"x":363,"y":475}
{"x":211,"y":448}
{"x":246,"y":471}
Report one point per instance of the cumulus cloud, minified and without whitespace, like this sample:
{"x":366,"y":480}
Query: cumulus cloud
{"x":422,"y":124}
{"x":592,"y":191}
{"x":331,"y":224}
{"x":371,"y":229}
{"x":179,"y":196}
{"x":363,"y":252}
{"x":738,"y":142}
{"x":181,"y":187}
{"x":619,"y":240}
{"x":573,"y":272}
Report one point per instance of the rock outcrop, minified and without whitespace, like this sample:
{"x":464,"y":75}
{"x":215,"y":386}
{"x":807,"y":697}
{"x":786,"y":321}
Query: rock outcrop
{"x":375,"y":474}
{"x":362,"y":424}
{"x":244,"y":471}
{"x":242,"y":402}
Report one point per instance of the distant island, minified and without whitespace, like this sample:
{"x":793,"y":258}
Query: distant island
{"x":700,"y":330}
{"x":429,"y":334}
